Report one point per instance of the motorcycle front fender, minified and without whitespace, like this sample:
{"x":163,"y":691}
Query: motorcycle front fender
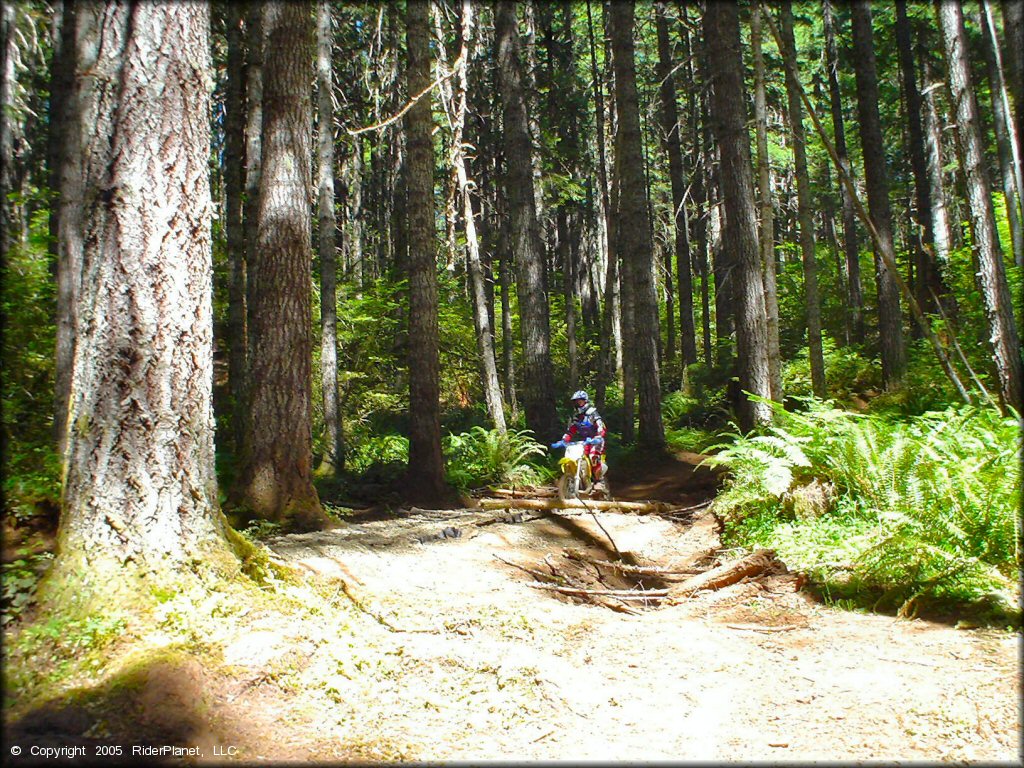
{"x":568,"y":466}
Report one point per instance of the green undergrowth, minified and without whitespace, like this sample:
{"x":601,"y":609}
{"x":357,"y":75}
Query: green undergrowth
{"x":66,"y":649}
{"x":887,"y":513}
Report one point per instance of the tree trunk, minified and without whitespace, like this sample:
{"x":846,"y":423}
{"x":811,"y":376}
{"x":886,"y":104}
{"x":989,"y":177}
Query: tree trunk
{"x":327,"y":228}
{"x":8,"y":165}
{"x":941,"y":234}
{"x":995,"y":290}
{"x":276,"y":480}
{"x":1005,"y":130}
{"x":507,"y":339}
{"x":633,"y":230}
{"x":805,"y":215}
{"x":65,"y":220}
{"x":1013,"y":32}
{"x":697,"y":105}
{"x":254,"y":48}
{"x":605,"y":369}
{"x":890,"y":321}
{"x":425,"y":475}
{"x":538,"y":378}
{"x":928,"y":280}
{"x":481,"y":314}
{"x":234,"y":193}
{"x":673,"y":146}
{"x":722,"y":32}
{"x":855,"y":305}
{"x":771,"y":297}
{"x":140,"y":485}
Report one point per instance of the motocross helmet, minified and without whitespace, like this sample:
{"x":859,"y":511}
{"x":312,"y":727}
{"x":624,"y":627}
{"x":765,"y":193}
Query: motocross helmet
{"x":580,"y":395}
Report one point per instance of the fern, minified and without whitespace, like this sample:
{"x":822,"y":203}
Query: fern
{"x":930,"y":502}
{"x":481,"y":456}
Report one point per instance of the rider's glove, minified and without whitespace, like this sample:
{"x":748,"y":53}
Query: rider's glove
{"x":559,"y":444}
{"x":593,"y":441}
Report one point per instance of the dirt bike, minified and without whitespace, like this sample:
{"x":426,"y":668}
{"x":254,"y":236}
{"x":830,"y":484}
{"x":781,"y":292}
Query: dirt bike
{"x":577,"y":474}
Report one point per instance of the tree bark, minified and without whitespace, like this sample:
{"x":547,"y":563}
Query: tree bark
{"x":767,"y":240}
{"x":140,"y":485}
{"x":855,"y":306}
{"x":805,"y":216}
{"x":327,"y":230}
{"x":609,"y":334}
{"x":1013,"y":32}
{"x":8,"y":165}
{"x":673,"y":147}
{"x":65,"y":140}
{"x":634,"y":236}
{"x":928,"y":280}
{"x":276,"y":480}
{"x":254,"y":49}
{"x":995,"y":290}
{"x":528,"y":255}
{"x":890,"y":321}
{"x":722,"y":32}
{"x":697,"y":106}
{"x":1005,"y":130}
{"x":234,"y":225}
{"x":941,"y":234}
{"x":481,"y":314}
{"x":425,"y":475}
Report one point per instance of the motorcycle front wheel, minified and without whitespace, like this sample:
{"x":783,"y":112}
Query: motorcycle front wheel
{"x":568,"y":486}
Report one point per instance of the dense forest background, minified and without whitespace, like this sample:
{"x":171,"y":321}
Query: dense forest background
{"x":788,"y":235}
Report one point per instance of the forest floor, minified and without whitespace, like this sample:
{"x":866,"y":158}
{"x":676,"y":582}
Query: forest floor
{"x":412,"y":645}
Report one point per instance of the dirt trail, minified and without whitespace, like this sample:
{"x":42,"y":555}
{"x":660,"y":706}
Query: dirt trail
{"x":451,"y":654}
{"x":482,"y":665}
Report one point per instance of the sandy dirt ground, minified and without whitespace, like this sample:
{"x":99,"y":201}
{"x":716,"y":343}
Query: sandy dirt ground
{"x":437,"y":640}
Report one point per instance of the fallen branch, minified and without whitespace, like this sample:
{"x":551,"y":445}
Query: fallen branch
{"x":649,"y":570}
{"x":694,"y":508}
{"x":760,"y":628}
{"x":619,"y":594}
{"x":729,"y":573}
{"x":638,"y":506}
{"x":533,"y":572}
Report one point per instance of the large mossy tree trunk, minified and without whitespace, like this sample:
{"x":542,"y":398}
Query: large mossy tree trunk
{"x":729,"y":120}
{"x":992,"y":282}
{"x":538,"y":387}
{"x":140,"y":487}
{"x":425,"y":474}
{"x":276,"y":478}
{"x":633,"y":233}
{"x":890,"y":320}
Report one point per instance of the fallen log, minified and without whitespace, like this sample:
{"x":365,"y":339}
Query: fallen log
{"x":522,"y":493}
{"x":636,"y":506}
{"x":729,"y":573}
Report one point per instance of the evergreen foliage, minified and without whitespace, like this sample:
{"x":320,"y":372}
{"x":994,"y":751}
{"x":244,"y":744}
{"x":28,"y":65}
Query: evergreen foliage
{"x":922,"y":506}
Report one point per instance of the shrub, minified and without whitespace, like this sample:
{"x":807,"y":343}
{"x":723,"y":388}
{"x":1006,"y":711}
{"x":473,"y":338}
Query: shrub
{"x":490,"y":456}
{"x":925,"y":506}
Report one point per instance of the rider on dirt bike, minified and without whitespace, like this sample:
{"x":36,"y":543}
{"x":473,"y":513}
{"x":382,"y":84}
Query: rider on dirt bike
{"x":587,"y":424}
